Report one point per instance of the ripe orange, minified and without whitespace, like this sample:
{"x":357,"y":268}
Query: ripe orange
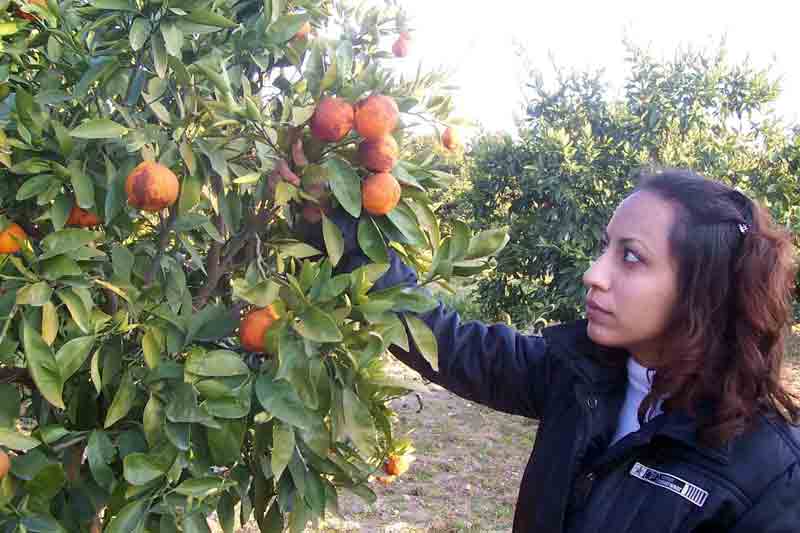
{"x":401,"y":45}
{"x":303,"y":32}
{"x":379,"y":155}
{"x":332,"y":120}
{"x":11,"y":239}
{"x":151,"y":186}
{"x":380,"y":193}
{"x":450,"y":139}
{"x":397,"y":465}
{"x":5,"y":464}
{"x":376,"y":116}
{"x":254,"y":326}
{"x":83,"y":218}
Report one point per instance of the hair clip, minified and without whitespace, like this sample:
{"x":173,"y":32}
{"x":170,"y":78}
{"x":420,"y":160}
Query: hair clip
{"x":743,"y":228}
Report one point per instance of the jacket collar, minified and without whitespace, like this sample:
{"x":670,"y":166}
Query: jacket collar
{"x":605,"y":368}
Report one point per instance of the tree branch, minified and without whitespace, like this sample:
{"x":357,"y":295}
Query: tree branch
{"x":163,"y":240}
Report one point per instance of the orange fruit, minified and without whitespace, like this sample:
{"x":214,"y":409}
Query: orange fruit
{"x":254,"y":326}
{"x":303,"y":32}
{"x":5,"y":464}
{"x":11,"y":239}
{"x":401,"y":45}
{"x":379,"y":155}
{"x":376,"y":116}
{"x":380,"y":193}
{"x":83,"y":218}
{"x":397,"y":465}
{"x":450,"y":139}
{"x":151,"y":186}
{"x":332,"y":120}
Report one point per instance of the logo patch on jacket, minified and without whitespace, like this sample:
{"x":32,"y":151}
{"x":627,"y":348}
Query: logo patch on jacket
{"x":679,"y":486}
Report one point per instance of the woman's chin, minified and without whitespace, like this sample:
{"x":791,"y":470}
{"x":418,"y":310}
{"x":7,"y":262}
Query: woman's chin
{"x":600,"y":334}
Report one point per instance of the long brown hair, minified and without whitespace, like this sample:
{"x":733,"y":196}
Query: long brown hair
{"x":736,"y":276}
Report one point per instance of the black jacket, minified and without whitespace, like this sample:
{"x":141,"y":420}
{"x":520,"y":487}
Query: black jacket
{"x":658,"y":479}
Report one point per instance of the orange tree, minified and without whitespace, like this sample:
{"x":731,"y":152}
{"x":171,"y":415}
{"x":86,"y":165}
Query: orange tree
{"x":165,"y":163}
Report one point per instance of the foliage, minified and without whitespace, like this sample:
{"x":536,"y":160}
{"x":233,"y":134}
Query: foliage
{"x":580,"y":149}
{"x":126,"y":397}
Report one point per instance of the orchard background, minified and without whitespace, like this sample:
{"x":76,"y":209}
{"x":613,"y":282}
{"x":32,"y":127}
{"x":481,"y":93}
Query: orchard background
{"x":178,"y":338}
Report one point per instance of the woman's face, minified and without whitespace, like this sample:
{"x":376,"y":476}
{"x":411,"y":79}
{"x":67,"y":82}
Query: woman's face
{"x":632,"y":285}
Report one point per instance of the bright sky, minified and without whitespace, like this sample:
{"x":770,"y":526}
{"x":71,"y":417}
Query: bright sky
{"x":475,"y":38}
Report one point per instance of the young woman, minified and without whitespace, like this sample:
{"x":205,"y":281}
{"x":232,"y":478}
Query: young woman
{"x":663,"y":411}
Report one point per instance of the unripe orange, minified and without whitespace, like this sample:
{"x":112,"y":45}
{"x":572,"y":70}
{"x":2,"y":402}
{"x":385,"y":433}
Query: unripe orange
{"x":380,"y":193}
{"x":254,"y":326}
{"x":376,"y":116}
{"x":332,"y":120}
{"x":11,"y":239}
{"x":151,"y":186}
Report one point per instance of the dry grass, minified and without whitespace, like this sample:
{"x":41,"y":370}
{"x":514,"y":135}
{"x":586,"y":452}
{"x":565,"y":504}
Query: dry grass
{"x":466,"y":476}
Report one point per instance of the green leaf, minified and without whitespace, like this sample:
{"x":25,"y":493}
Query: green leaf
{"x":100,"y":453}
{"x":47,"y":482}
{"x":67,"y":240}
{"x":138,"y":35}
{"x":42,"y":366}
{"x":285,"y":27}
{"x":36,"y":294}
{"x":153,"y":421}
{"x":35,"y":185}
{"x":487,"y":243}
{"x":280,"y":400}
{"x":14,"y":440}
{"x":83,"y":186}
{"x":71,"y":356}
{"x":60,"y":266}
{"x":283,"y":443}
{"x":204,"y":486}
{"x":371,"y":241}
{"x":226,"y":512}
{"x":141,"y":468}
{"x":173,"y":38}
{"x":40,"y":523}
{"x":94,"y":371}
{"x":153,"y":346}
{"x":345,"y":185}
{"x":425,"y":340}
{"x":208,"y":18}
{"x":159,"y":52}
{"x":118,"y":5}
{"x":59,"y":212}
{"x":216,"y":363}
{"x":10,"y":28}
{"x":260,"y":295}
{"x":226,"y":442}
{"x":300,"y":250}
{"x":334,"y":241}
{"x":316,"y":325}
{"x":123,"y":401}
{"x":183,"y":408}
{"x":100,"y":128}
{"x":406,"y":221}
{"x":358,"y":422}
{"x":130,"y":519}
{"x":77,"y":309}
{"x":9,"y":405}
{"x":122,"y":260}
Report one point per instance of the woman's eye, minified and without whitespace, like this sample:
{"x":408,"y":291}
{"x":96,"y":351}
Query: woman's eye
{"x":630,"y":256}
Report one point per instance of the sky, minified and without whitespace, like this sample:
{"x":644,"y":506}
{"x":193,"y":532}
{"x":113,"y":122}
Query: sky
{"x":475,"y":39}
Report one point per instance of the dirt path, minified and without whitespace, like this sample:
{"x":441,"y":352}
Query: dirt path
{"x":467,"y":473}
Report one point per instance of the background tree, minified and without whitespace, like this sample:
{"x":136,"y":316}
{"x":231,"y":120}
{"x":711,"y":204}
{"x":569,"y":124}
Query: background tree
{"x":580,"y":148}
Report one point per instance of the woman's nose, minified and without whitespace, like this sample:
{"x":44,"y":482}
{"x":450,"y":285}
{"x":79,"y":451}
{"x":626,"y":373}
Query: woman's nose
{"x":596,"y":276}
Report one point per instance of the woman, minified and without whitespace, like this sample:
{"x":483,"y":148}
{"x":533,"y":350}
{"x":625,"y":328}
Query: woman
{"x":663,"y":411}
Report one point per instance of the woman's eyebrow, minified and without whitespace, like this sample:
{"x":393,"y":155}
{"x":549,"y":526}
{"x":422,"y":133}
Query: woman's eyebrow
{"x":627,"y":240}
